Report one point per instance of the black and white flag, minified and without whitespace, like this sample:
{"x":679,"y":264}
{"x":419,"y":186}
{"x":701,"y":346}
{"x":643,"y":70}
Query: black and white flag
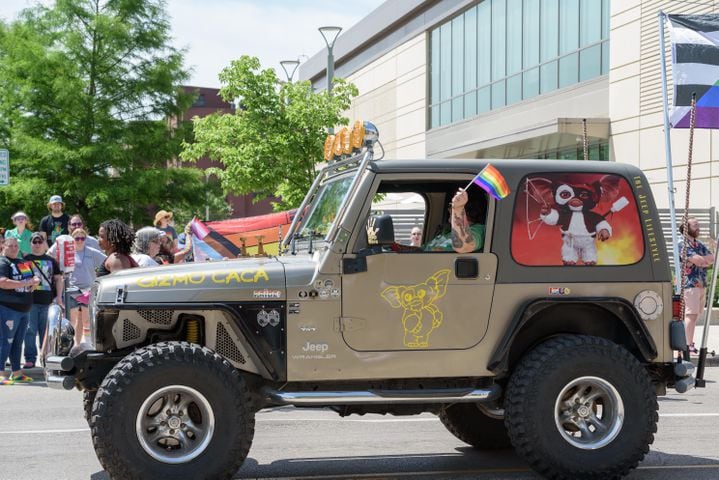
{"x":695,"y":69}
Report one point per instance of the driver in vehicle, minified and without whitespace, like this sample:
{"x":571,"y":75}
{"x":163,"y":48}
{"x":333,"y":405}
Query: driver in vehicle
{"x":467,"y":233}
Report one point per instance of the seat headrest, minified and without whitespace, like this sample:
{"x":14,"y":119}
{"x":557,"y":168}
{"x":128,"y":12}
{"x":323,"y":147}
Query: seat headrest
{"x":380,"y":230}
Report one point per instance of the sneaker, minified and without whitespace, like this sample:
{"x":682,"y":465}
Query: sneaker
{"x":12,"y":380}
{"x":27,"y":365}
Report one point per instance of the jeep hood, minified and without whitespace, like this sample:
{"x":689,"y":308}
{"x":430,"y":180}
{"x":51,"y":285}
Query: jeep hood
{"x":251,"y":279}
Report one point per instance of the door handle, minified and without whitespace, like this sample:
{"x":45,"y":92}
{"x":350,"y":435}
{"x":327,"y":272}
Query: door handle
{"x":466,"y":267}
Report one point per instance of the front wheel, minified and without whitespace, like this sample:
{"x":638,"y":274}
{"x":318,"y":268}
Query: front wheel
{"x":172,"y":411}
{"x":580,"y":407}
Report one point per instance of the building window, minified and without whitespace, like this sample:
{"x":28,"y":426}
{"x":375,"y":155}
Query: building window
{"x":500,"y":52}
{"x":200,"y":102}
{"x":595,"y":151}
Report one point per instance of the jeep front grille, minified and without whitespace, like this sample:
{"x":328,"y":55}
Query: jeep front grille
{"x":158,"y":317}
{"x":226,"y":346}
{"x":130,"y":331}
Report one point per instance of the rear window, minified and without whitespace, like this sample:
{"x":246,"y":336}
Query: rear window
{"x":576,"y":219}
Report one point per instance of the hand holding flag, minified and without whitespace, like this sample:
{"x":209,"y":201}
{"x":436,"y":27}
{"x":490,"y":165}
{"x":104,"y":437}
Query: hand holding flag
{"x":492,"y":182}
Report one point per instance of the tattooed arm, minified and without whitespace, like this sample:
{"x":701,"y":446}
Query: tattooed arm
{"x":463,"y":240}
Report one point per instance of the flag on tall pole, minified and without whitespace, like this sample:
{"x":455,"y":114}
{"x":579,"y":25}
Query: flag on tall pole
{"x":695,"y":69}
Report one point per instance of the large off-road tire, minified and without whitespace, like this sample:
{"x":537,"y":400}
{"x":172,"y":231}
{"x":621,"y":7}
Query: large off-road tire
{"x":580,"y":407}
{"x":173,"y":411}
{"x":471,"y":425}
{"x":88,"y":399}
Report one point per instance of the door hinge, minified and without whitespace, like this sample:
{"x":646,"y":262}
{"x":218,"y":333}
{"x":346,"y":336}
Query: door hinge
{"x":348,"y":324}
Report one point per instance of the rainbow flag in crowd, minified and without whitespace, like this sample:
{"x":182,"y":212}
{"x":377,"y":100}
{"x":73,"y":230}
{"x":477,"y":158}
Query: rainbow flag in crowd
{"x":492,"y":181}
{"x":224,"y":239}
{"x":25,"y":269}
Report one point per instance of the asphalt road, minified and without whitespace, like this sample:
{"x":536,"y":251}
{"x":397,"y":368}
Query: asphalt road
{"x":45,"y":437}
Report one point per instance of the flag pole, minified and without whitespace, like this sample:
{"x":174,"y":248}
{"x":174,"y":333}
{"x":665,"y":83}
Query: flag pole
{"x":668,"y":152}
{"x":585,"y":145}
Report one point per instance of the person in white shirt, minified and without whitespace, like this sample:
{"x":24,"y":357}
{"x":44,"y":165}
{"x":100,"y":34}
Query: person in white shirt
{"x":147,"y":246}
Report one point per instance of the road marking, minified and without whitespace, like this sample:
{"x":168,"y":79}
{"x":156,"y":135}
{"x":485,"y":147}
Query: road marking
{"x":33,"y":432}
{"x":263,"y":418}
{"x":689,"y":414}
{"x":356,"y":420}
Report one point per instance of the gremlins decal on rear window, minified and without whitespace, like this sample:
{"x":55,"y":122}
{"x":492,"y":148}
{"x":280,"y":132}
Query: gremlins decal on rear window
{"x":576,"y":219}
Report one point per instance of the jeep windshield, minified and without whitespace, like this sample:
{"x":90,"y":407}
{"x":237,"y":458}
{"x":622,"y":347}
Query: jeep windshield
{"x":322,"y":213}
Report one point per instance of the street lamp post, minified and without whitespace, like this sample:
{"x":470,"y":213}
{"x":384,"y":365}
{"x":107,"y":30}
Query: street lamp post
{"x":290,"y":67}
{"x":330,"y":35}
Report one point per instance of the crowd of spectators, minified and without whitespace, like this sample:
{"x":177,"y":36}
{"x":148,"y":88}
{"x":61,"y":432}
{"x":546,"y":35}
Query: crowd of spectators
{"x":31,"y":278}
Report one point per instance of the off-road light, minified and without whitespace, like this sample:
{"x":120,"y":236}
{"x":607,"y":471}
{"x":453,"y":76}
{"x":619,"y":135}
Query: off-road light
{"x":329,"y":142}
{"x":357,"y":135}
{"x":337,"y":146}
{"x":345,"y":135}
{"x":371,"y":134}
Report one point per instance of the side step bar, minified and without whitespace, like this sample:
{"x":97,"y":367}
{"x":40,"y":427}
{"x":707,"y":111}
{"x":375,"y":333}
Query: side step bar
{"x":362,"y":397}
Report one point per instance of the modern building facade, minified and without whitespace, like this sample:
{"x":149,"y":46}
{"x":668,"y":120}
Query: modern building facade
{"x":521,"y":79}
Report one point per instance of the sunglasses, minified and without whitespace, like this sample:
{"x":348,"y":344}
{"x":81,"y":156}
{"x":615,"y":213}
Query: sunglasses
{"x":18,"y":219}
{"x":79,"y":239}
{"x":76,"y":224}
{"x":38,"y":242}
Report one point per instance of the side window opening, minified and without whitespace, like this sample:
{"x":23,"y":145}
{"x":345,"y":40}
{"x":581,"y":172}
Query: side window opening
{"x":420,"y":208}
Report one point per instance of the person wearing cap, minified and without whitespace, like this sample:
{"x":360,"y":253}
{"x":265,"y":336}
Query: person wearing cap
{"x":162,"y":221}
{"x":50,"y":290}
{"x":22,"y":232}
{"x":55,"y":224}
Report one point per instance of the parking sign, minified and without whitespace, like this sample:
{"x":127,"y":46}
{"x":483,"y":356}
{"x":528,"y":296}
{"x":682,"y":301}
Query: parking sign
{"x":4,"y":166}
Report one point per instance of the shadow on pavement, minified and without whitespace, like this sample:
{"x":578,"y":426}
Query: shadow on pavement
{"x":465,"y":463}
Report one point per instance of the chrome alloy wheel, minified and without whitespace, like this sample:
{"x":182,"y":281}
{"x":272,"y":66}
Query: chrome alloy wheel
{"x":175,"y":424}
{"x":589,"y":413}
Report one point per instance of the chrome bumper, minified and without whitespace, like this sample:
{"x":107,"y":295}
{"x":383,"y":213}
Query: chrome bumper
{"x":56,"y":360}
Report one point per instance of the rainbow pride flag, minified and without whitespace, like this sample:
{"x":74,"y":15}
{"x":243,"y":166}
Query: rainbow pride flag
{"x":492,"y":181}
{"x":25,"y":269}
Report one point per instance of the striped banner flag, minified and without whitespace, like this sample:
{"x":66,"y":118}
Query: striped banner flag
{"x":695,"y":69}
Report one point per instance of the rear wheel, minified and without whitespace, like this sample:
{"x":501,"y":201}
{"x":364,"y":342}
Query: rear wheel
{"x":173,"y":411}
{"x":469,"y":423}
{"x":580,"y":407}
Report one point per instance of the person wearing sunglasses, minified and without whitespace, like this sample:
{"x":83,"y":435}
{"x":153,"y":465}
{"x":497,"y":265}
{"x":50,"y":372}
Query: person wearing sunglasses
{"x":50,"y":290}
{"x":22,"y":231}
{"x":87,"y":261}
{"x":16,"y":284}
{"x":76,"y":221}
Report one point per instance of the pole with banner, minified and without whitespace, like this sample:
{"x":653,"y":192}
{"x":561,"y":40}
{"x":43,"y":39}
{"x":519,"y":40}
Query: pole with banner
{"x":668,"y":150}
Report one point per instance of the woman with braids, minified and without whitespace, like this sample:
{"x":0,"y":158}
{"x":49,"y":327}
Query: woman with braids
{"x":116,"y":239}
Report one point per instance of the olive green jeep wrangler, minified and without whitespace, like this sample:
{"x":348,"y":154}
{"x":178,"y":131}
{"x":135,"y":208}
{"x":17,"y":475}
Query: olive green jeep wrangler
{"x":555,"y":337}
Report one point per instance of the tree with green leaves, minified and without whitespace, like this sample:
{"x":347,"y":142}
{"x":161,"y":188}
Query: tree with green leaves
{"x":273,"y":142}
{"x":87,"y":91}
